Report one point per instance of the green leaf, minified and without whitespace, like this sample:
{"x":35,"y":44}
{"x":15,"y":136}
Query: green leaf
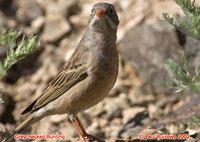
{"x":189,"y":23}
{"x":16,"y":52}
{"x":25,"y":48}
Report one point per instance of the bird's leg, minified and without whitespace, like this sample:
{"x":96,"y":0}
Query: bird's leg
{"x":78,"y":126}
{"x":81,"y":131}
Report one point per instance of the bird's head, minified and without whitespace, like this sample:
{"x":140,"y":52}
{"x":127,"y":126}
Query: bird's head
{"x":103,"y":18}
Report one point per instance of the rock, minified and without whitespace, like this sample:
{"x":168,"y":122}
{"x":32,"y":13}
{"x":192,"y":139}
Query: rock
{"x":97,"y":110}
{"x":112,"y":110}
{"x":67,"y":130}
{"x":192,"y":51}
{"x":132,"y":132}
{"x":3,"y":51}
{"x":37,"y":24}
{"x":193,"y":131}
{"x":120,"y":87}
{"x":93,"y":128}
{"x":125,"y":4}
{"x":55,"y":27}
{"x":139,"y":98}
{"x":146,"y":47}
{"x":69,"y":7}
{"x":57,"y":118}
{"x":6,"y":108}
{"x":123,"y":101}
{"x":42,"y":126}
{"x":27,"y":87}
{"x":131,"y":113}
{"x":191,"y":140}
{"x":56,"y":24}
{"x":133,"y":13}
{"x":153,"y":111}
{"x":3,"y":106}
{"x":134,"y":120}
{"x":2,"y":2}
{"x":103,"y":123}
{"x":112,"y":130}
{"x":7,"y":7}
{"x":3,"y":19}
{"x":28,"y":10}
{"x":86,"y":119}
{"x":3,"y":132}
{"x":115,"y":108}
{"x":65,"y":7}
{"x":173,"y":129}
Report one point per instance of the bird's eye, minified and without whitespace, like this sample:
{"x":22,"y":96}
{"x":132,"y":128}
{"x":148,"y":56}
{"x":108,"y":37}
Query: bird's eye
{"x":92,"y":11}
{"x":111,"y":11}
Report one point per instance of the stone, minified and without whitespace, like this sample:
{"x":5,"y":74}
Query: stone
{"x":3,"y":19}
{"x":56,"y":26}
{"x":112,"y":110}
{"x":192,"y":52}
{"x":28,"y":10}
{"x":37,"y":24}
{"x":146,"y":47}
{"x":131,"y":113}
{"x":6,"y":108}
{"x":66,"y":8}
{"x":58,"y":118}
{"x":153,"y":111}
{"x":3,"y":132}
{"x":173,"y":129}
{"x":56,"y":19}
{"x":191,"y":140}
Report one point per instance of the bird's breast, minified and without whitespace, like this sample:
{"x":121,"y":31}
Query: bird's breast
{"x":104,"y":66}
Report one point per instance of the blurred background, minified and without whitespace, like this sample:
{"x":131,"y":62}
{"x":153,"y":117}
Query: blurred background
{"x":138,"y":103}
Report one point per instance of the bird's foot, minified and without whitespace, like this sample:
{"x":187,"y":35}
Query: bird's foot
{"x":90,"y":138}
{"x":84,"y":137}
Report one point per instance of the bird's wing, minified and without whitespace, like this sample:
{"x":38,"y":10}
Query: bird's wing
{"x":72,"y":73}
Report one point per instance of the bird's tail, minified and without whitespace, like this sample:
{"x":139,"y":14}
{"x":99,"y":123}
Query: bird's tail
{"x":18,"y":129}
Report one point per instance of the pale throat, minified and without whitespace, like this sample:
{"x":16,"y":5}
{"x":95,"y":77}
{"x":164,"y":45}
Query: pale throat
{"x":108,"y":32}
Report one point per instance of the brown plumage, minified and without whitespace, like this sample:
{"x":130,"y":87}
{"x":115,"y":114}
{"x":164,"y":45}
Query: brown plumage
{"x":87,"y":77}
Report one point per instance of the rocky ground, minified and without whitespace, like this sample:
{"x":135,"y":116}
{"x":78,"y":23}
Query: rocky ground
{"x":137,"y":105}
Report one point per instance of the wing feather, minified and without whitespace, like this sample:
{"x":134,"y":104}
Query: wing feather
{"x":67,"y":77}
{"x":66,"y":81}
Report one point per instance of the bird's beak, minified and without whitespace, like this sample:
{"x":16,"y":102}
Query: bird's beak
{"x":100,"y":13}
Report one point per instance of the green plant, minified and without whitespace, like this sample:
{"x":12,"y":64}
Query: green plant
{"x":17,"y":51}
{"x":189,"y":24}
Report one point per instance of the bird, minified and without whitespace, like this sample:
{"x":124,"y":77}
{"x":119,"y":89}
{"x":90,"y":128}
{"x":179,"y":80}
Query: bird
{"x":86,"y":78}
